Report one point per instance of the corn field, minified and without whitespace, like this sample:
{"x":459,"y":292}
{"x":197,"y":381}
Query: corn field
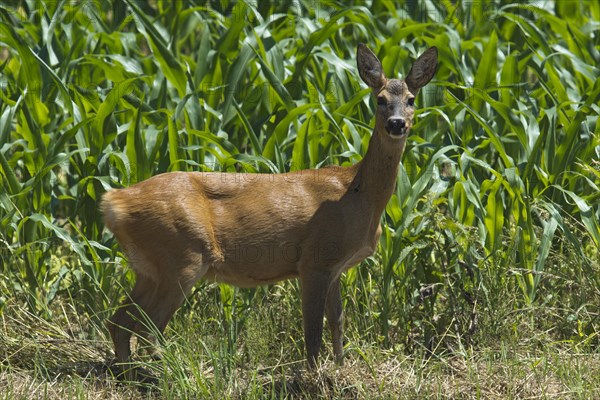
{"x":493,"y":225}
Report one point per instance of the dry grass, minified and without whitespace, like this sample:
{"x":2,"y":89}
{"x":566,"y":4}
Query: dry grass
{"x":35,"y":365}
{"x":67,"y":356}
{"x":394,"y":377}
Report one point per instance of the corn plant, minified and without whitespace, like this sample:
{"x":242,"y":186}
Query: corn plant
{"x":501,"y":171}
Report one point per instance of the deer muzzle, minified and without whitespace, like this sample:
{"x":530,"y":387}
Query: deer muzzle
{"x":396,"y":126}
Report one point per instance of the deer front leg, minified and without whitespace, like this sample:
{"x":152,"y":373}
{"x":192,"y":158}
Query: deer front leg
{"x":335,"y":319}
{"x":314,"y":293}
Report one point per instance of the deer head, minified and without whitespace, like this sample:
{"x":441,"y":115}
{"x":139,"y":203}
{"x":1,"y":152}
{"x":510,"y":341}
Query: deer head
{"x":395,"y":97}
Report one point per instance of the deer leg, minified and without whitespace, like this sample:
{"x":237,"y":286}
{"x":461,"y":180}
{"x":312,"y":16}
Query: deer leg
{"x":159,"y":312}
{"x":122,"y":324}
{"x":168,"y":300}
{"x":169,"y":295}
{"x":335,"y":320}
{"x":314,"y":293}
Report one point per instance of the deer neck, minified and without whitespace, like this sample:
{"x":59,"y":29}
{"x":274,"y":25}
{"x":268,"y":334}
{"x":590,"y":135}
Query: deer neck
{"x":378,"y":170}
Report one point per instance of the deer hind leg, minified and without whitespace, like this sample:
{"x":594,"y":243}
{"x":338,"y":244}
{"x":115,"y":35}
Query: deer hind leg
{"x":314,"y":292}
{"x":169,"y":296}
{"x":335,"y":320}
{"x":125,"y":320}
{"x":150,"y":306}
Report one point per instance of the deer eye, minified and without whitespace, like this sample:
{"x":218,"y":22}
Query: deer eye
{"x":411,"y":102}
{"x":381,"y":101}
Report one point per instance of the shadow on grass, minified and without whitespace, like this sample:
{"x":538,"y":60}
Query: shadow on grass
{"x":303,"y":384}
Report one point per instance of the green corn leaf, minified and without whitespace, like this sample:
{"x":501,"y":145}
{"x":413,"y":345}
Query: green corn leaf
{"x":494,"y":216}
{"x":299,"y":152}
{"x":104,"y":133}
{"x":544,"y":248}
{"x":173,"y":139}
{"x":9,"y":173}
{"x":281,"y":130}
{"x":256,"y":144}
{"x":29,"y":62}
{"x":61,"y":233}
{"x":276,"y":84}
{"x":509,"y":80}
{"x":225,"y":147}
{"x":170,"y":65}
{"x":234,"y":76}
{"x":485,"y":77}
{"x":587,"y":215}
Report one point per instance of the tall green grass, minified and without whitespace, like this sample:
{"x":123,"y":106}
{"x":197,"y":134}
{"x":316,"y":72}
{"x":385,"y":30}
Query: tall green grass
{"x":497,"y":198}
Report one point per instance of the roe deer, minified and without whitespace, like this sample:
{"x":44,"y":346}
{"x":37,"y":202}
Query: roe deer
{"x":256,"y":229}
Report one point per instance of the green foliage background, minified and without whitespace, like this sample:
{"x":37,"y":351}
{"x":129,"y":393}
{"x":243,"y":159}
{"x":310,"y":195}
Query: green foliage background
{"x":497,"y":204}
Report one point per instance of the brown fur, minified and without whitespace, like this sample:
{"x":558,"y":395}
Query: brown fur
{"x":255,"y":229}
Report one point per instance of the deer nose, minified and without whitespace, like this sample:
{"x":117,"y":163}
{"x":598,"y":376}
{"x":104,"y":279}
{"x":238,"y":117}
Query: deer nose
{"x":395,"y":126}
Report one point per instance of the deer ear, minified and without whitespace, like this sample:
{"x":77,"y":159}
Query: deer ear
{"x":422,"y":70}
{"x":369,"y":67}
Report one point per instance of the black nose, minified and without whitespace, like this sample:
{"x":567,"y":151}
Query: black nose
{"x":395,"y":126}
